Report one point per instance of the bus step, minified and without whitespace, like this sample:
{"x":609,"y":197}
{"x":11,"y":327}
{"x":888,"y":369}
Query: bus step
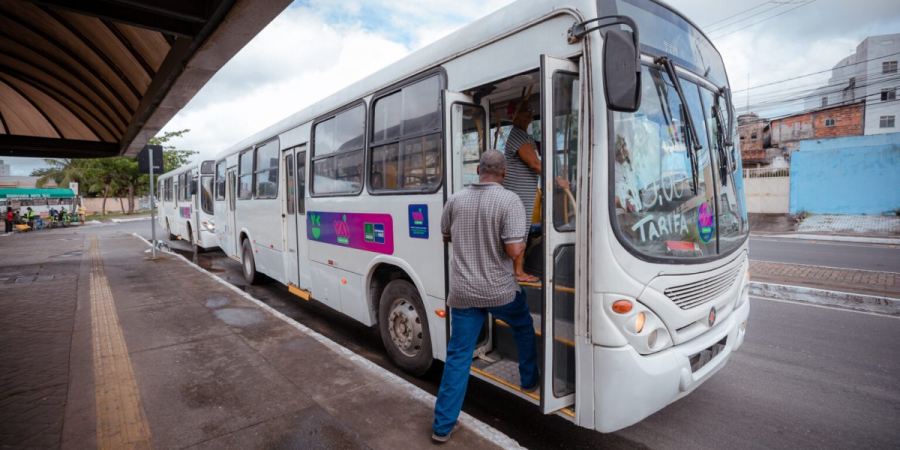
{"x":305,"y":295}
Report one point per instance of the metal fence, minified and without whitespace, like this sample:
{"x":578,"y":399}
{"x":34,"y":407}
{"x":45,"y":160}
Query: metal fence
{"x":767,"y":172}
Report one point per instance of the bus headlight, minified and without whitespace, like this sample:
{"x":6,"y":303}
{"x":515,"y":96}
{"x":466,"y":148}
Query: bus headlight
{"x":210,"y":225}
{"x":641,"y":327}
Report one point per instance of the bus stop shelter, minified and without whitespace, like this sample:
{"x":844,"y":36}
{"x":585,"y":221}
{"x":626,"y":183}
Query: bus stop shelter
{"x":97,"y":78}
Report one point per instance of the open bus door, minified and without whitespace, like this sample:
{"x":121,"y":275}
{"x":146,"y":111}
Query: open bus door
{"x":560,"y":105}
{"x":465,"y":141}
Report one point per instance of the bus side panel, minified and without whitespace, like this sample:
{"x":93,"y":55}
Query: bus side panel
{"x":423,"y":255}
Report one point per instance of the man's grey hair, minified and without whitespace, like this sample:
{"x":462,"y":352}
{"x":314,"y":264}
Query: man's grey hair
{"x":492,"y":163}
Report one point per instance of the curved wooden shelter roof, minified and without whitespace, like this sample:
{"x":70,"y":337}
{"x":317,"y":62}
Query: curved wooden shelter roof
{"x":101,"y":77}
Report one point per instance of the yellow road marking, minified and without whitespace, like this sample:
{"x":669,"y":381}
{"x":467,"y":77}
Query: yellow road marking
{"x":121,"y":420}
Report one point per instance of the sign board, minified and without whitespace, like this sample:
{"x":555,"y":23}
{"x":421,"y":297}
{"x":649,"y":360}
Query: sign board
{"x":144,"y":159}
{"x":74,"y":187}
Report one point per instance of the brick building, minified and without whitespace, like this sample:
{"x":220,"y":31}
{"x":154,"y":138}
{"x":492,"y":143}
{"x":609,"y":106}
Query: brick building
{"x":764,"y":141}
{"x":846,"y":120}
{"x":752,"y":132}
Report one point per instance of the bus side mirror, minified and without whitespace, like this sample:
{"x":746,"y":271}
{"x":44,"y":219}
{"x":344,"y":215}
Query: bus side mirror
{"x":193,"y":187}
{"x":621,"y":71}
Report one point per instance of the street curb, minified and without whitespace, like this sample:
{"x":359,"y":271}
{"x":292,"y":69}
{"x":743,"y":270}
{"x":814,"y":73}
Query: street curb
{"x":846,"y":300}
{"x":480,"y":428}
{"x":129,"y":220}
{"x":839,"y":238}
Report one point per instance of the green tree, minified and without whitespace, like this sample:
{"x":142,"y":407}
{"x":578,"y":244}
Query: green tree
{"x":172,"y":158}
{"x":61,"y":171}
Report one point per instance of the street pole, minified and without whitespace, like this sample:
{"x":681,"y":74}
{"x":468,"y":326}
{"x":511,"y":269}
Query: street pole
{"x":152,"y":208}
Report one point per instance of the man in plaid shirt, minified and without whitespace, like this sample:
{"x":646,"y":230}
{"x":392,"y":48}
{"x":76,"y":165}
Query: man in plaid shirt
{"x":486,"y":225}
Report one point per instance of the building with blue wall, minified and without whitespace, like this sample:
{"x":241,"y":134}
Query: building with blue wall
{"x":847,"y":175}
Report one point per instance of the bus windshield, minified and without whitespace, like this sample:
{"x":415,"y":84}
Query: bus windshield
{"x":667,"y":206}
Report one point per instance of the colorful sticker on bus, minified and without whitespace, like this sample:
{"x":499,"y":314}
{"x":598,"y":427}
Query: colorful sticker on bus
{"x":185,"y":212}
{"x":362,"y":231}
{"x":418,"y":221}
{"x":705,"y":222}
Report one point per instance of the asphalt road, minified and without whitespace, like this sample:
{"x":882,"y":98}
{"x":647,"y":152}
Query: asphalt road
{"x":845,"y":255}
{"x":807,"y":377}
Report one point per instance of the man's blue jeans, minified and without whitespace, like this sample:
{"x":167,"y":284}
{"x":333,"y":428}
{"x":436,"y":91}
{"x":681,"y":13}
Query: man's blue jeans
{"x":465,"y":326}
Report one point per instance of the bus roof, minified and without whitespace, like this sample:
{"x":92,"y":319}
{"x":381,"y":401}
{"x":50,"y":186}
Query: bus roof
{"x":28,"y":194}
{"x":468,"y":38}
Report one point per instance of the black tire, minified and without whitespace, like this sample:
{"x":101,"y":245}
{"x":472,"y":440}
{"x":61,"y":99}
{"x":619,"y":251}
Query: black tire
{"x":190,"y":234}
{"x":403,"y":323}
{"x":247,"y":262}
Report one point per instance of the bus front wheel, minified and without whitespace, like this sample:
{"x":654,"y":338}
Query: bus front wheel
{"x":404,"y":327}
{"x":247,"y":262}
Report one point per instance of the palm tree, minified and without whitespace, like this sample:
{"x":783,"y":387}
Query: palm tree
{"x":61,"y":171}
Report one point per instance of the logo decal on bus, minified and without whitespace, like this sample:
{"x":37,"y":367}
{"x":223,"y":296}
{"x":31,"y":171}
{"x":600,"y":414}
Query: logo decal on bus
{"x":342,"y":231}
{"x":418,"y":221}
{"x":315,"y":225}
{"x":369,"y":232}
{"x":705,"y":222}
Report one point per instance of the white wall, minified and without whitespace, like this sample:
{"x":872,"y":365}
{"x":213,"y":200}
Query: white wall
{"x":768,"y":195}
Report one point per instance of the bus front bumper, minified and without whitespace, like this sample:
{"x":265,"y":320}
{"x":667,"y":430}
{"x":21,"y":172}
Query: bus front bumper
{"x":629,"y":386}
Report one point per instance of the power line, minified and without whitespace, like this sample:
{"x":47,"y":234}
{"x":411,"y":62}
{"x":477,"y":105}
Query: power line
{"x":798,"y":102}
{"x":777,"y":5}
{"x":811,"y":74}
{"x":867,"y":79}
{"x":767,"y":18}
{"x":843,"y":103}
{"x":836,"y":89}
{"x":742,"y":12}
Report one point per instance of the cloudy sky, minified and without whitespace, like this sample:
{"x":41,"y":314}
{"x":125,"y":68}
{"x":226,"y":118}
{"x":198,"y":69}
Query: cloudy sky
{"x":314,"y":48}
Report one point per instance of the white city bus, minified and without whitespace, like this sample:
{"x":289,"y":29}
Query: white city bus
{"x":643,"y":261}
{"x":185,"y":204}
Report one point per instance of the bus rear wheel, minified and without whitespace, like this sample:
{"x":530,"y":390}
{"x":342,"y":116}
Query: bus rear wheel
{"x":172,"y":237}
{"x":249,"y":266}
{"x":404,"y":327}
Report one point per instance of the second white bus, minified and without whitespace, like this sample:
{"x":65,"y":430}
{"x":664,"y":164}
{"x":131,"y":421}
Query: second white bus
{"x":185,"y":204}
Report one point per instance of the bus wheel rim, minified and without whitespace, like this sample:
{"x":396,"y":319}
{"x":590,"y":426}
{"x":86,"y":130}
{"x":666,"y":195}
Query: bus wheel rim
{"x":246,"y":264}
{"x":405,"y":327}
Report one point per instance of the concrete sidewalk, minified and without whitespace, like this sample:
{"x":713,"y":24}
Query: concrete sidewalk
{"x":885,"y":284}
{"x":101,"y":346}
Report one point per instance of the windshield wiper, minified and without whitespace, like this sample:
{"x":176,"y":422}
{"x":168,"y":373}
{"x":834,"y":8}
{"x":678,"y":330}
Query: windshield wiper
{"x":694,"y":146}
{"x":722,"y":142}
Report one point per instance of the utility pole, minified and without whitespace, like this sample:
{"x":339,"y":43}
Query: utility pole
{"x":748,"y":92}
{"x":152,"y":209}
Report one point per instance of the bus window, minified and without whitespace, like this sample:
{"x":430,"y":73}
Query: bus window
{"x":245,"y":175}
{"x":468,"y":139}
{"x":266,"y":175}
{"x":220,"y":181}
{"x":301,"y":182}
{"x":289,"y":182}
{"x":206,"y":193}
{"x":413,"y":116}
{"x":566,"y":101}
{"x":337,"y":158}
